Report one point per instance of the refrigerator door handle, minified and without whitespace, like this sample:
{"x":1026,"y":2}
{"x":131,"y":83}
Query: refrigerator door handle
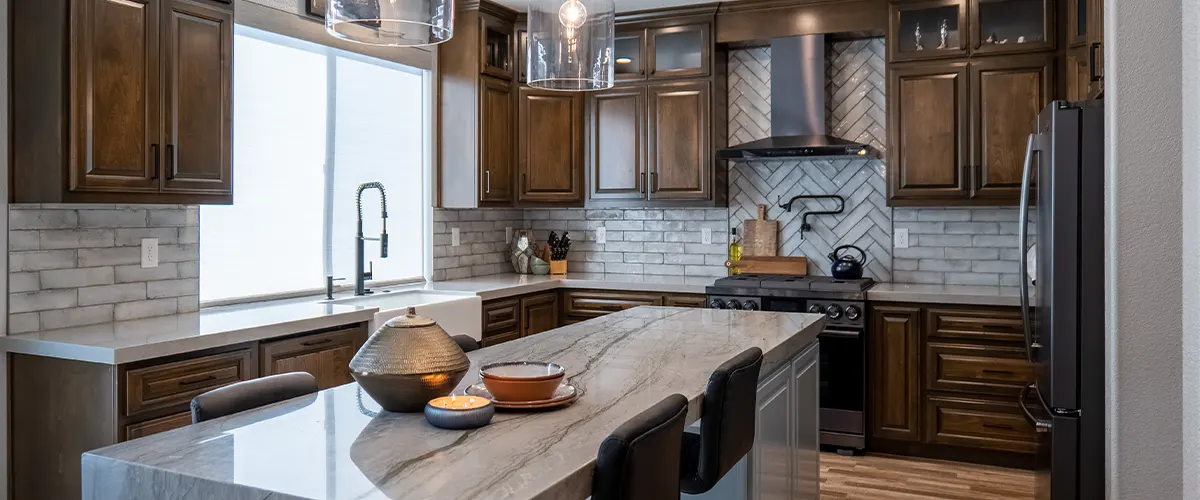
{"x":1038,"y":424}
{"x":1023,"y":232}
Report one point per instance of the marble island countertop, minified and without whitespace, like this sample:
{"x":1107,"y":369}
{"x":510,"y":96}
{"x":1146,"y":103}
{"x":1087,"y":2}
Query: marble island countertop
{"x":336,"y":444}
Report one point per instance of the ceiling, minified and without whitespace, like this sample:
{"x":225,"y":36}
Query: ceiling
{"x":622,"y":5}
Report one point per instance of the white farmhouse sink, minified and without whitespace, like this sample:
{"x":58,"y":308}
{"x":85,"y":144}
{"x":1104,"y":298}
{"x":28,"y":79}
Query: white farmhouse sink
{"x":459,"y":313}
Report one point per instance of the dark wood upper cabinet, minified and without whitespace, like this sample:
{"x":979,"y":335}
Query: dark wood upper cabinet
{"x":927,"y":130}
{"x":496,"y":56}
{"x":679,"y":51}
{"x":198,"y":154}
{"x":629,"y":54}
{"x":616,"y":144}
{"x":926,"y":18}
{"x":894,"y":352}
{"x":550,"y":146}
{"x":680,"y":153}
{"x":1006,"y":96}
{"x":122,"y":101}
{"x":1011,"y":26}
{"x":496,"y":140}
{"x":1079,"y":22}
{"x":1077,"y":74}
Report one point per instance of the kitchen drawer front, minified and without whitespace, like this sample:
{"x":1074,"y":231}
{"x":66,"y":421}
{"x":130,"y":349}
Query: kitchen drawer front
{"x":157,"y":425}
{"x":1000,"y":324}
{"x":491,"y":339}
{"x":974,"y":369}
{"x":175,"y":384}
{"x":976,"y":423}
{"x":501,"y":315}
{"x":326,"y":355}
{"x":685,"y":300}
{"x":593,"y":304}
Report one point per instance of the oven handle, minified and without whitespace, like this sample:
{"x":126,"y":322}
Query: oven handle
{"x":837,"y":332}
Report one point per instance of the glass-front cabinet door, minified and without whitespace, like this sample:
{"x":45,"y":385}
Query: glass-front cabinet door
{"x":629,"y":54}
{"x":678,"y":51}
{"x":1006,"y":26}
{"x":928,"y":30}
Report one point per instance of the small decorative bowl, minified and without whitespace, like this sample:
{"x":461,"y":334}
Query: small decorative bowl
{"x":459,"y":412}
{"x":539,"y":267}
{"x":516,"y":381}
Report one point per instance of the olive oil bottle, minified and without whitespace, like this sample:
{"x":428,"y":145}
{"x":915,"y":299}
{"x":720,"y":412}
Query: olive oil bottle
{"x":735,"y":252}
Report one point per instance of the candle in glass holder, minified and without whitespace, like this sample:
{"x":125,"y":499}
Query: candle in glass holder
{"x":459,"y":412}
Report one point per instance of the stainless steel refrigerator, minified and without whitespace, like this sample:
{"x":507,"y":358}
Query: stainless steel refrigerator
{"x":1062,"y":297}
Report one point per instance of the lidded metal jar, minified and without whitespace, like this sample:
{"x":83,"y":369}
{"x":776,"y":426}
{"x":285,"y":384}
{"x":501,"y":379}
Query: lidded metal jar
{"x":407,"y":362}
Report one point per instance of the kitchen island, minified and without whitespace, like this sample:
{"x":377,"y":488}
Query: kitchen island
{"x":337,"y":444}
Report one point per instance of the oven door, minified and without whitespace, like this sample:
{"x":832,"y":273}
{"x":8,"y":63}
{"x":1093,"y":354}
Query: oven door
{"x":843,"y":390}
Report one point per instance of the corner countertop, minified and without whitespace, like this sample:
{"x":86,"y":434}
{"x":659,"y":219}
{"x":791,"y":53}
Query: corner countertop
{"x":946,"y":294}
{"x":507,"y":285}
{"x":337,"y":444}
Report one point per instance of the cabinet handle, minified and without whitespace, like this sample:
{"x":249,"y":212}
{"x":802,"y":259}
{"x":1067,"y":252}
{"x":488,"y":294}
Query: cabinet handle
{"x":157,"y":159}
{"x":642,"y":184}
{"x":998,"y":426}
{"x":311,"y":343}
{"x":488,"y":187}
{"x":1092,"y":63}
{"x":199,"y":380}
{"x":653,"y":182}
{"x":170,"y":161}
{"x":998,"y":372}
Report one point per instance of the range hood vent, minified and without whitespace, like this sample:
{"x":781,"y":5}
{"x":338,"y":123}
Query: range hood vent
{"x":797,"y":107}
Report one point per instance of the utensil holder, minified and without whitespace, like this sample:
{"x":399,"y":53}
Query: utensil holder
{"x":558,"y":267}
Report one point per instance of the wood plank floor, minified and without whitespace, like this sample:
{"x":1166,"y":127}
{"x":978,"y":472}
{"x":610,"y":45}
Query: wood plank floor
{"x":887,"y":477}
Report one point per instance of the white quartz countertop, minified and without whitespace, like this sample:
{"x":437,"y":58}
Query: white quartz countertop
{"x":337,"y":444}
{"x":507,"y":285}
{"x":946,"y":294}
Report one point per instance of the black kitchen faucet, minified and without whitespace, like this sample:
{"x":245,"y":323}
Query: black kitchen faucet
{"x":361,"y":276}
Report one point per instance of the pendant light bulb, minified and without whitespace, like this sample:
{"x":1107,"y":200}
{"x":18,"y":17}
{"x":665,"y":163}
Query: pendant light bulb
{"x":572,"y":14}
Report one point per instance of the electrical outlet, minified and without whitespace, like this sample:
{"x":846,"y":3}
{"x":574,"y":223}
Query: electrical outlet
{"x":601,"y":235}
{"x":149,"y":252}
{"x":455,"y":239}
{"x":901,"y":238}
{"x":706,"y":236}
{"x":507,"y":235}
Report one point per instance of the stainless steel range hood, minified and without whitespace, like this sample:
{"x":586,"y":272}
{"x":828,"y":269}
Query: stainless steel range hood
{"x":797,"y":107}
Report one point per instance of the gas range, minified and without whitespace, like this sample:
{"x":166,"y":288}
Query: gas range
{"x":842,"y":301}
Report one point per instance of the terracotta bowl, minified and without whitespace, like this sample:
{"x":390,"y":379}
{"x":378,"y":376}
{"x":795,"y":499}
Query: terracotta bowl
{"x":515,"y":381}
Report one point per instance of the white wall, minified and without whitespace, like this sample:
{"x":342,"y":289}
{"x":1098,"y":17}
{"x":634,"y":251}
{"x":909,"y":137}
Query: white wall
{"x":1144,"y":244}
{"x":1191,"y":241}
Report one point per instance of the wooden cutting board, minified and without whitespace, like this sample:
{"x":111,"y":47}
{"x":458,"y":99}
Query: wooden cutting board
{"x":762,"y":235}
{"x":773,"y":265}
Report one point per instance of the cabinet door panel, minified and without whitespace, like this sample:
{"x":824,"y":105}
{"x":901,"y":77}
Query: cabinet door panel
{"x":198,"y":77}
{"x":550,"y":146}
{"x":680,"y":155}
{"x":325,"y":356}
{"x":927,"y":130}
{"x":895,"y":373}
{"x":1078,"y":76}
{"x":979,"y":424}
{"x":772,"y":454}
{"x":1006,"y":96}
{"x":115,"y":95}
{"x":539,"y":313}
{"x":617,"y":144}
{"x":679,"y":51}
{"x":155,"y":426}
{"x":496,"y":138}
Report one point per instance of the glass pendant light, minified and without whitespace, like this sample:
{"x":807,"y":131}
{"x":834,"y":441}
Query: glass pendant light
{"x":571,"y":44}
{"x":391,"y":22}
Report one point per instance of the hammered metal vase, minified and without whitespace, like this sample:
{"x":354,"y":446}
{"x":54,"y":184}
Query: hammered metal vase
{"x":407,"y":362}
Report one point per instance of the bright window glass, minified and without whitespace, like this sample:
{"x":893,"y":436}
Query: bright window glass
{"x":296,"y":170}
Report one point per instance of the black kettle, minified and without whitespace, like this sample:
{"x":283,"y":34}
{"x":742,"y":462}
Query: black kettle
{"x":846,"y":267}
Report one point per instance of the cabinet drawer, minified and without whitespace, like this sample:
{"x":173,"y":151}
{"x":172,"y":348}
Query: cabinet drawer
{"x":685,"y":300}
{"x":593,"y":304}
{"x":155,"y":426}
{"x":175,"y":384}
{"x":978,"y":424}
{"x":326,"y":356}
{"x":976,"y":324}
{"x":500,"y":315}
{"x":976,"y":369}
{"x":491,"y":339}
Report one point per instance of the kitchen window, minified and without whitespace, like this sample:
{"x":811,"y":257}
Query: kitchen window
{"x":311,"y":123}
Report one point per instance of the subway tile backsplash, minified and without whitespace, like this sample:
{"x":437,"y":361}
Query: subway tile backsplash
{"x":74,"y":265}
{"x":969,"y":246}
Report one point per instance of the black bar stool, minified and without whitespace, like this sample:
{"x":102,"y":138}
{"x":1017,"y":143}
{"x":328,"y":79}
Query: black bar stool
{"x":251,"y":394}
{"x":465,"y":342}
{"x":638,"y":461}
{"x":726,"y":423}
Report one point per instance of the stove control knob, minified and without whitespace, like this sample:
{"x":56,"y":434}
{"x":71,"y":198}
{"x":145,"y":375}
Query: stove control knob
{"x":717,"y":304}
{"x":853,"y":313}
{"x":833,"y":311}
{"x":750,"y":305}
{"x":735,"y":304}
{"x":816,"y":309}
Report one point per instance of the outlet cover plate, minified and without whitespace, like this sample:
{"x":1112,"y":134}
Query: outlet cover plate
{"x":601,"y":235}
{"x":706,"y":236}
{"x":149,"y":252}
{"x":455,"y":238}
{"x":901,"y":238}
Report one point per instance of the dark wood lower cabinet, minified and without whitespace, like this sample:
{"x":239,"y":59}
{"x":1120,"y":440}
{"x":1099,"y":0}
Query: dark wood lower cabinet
{"x":944,"y":382}
{"x":511,"y":318}
{"x":539,"y":313}
{"x":64,"y":408}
